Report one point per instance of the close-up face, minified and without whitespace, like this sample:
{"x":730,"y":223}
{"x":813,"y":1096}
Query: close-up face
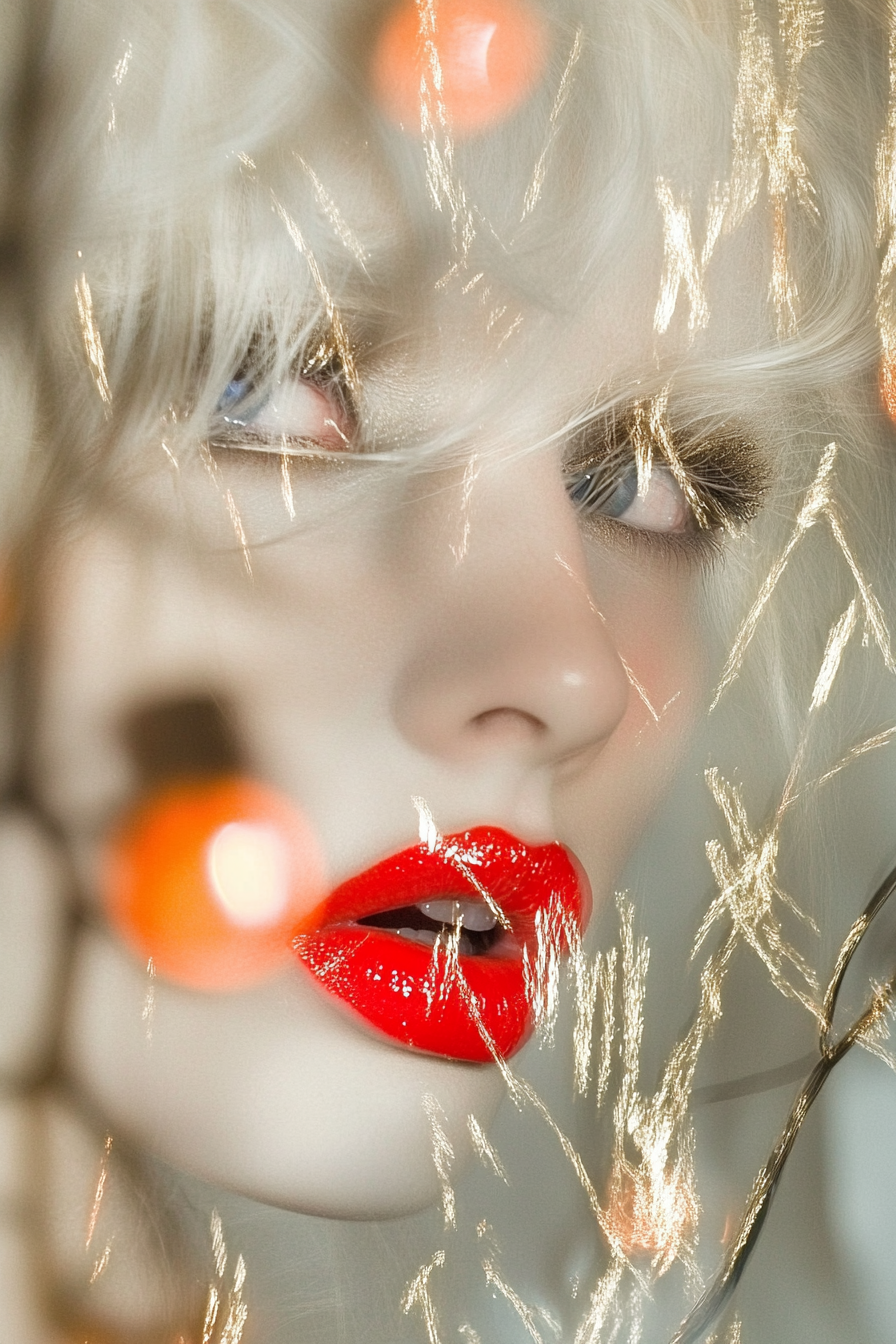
{"x":446,"y":614}
{"x":505,"y":641}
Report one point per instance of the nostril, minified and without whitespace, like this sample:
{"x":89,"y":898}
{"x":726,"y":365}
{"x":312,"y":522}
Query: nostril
{"x":507,"y":723}
{"x":187,"y":736}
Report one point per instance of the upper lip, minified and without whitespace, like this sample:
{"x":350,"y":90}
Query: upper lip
{"x":487,"y":863}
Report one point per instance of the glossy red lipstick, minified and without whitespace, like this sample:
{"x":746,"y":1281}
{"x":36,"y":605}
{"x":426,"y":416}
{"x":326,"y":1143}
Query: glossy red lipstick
{"x":432,"y":946}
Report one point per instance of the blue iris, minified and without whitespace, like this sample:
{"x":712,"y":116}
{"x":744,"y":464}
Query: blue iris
{"x":611,"y":493}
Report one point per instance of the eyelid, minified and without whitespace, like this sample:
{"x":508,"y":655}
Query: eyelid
{"x":300,"y":415}
{"x":725,"y":469}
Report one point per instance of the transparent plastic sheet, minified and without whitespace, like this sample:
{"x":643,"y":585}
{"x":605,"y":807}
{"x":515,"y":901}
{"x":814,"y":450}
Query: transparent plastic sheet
{"x":638,"y":1196}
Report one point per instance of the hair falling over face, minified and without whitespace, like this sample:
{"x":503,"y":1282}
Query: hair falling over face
{"x":448,"y":671}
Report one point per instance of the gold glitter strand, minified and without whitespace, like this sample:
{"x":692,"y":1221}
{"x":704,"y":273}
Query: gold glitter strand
{"x":585,"y":973}
{"x":484,"y":1150}
{"x":817,"y":499}
{"x":418,"y":1296}
{"x":526,"y":1314}
{"x":237,"y":1310}
{"x":147,"y":1014}
{"x":713,"y":1302}
{"x":749,"y":893}
{"x":661,"y":435}
{"x":219,"y":1246}
{"x":237,"y":521}
{"x":93,"y":344}
{"x":99,"y":1192}
{"x":286,"y":485}
{"x":101,"y":1264}
{"x":533,"y":191}
{"x":444,"y":186}
{"x":340,"y":338}
{"x":838,"y":638}
{"x":681,"y":265}
{"x":870,"y":744}
{"x":333,"y":214}
{"x":212,"y":1306}
{"x":875,"y":624}
{"x":606,"y":975}
{"x":442,"y":1156}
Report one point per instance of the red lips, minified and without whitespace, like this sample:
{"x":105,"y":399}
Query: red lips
{"x":457,"y":991}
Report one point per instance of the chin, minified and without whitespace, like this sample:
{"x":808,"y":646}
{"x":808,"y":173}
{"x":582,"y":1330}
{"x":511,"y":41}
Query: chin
{"x":274,"y":1093}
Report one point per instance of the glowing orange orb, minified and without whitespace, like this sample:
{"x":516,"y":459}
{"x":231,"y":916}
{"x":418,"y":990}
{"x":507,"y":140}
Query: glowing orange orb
{"x":209,"y":878}
{"x":490,"y":54}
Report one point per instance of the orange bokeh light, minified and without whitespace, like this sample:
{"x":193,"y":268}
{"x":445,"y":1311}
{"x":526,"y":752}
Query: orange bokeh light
{"x":209,"y":877}
{"x":491,"y":54}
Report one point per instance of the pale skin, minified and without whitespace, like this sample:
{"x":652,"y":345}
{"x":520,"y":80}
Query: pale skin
{"x":459,"y":635}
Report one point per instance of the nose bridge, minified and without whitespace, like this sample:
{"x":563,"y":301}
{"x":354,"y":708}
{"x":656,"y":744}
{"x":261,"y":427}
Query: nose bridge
{"x":510,"y":649}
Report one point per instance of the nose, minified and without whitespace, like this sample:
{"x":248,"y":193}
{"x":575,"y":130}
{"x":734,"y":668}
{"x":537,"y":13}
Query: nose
{"x":510,"y":653}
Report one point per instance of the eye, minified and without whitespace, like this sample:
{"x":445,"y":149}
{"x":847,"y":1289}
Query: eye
{"x":298,"y":413}
{"x":611,"y":491}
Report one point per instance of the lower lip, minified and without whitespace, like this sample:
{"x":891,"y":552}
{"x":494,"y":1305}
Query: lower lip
{"x":472,"y":1008}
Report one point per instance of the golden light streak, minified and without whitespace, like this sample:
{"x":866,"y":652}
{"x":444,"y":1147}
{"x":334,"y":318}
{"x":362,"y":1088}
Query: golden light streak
{"x":418,"y":1296}
{"x":584,"y":972}
{"x":101,"y":1263}
{"x":99,"y":1192}
{"x":526,"y":1314}
{"x":602,"y":1304}
{"x":875,"y":624}
{"x":533,"y":191}
{"x":766,"y":119}
{"x":606,"y":975}
{"x":121,"y":67}
{"x":237,"y":1310}
{"x":286,"y":486}
{"x":442,"y":1156}
{"x":817,"y":499}
{"x":484,"y":1150}
{"x":337,"y":330}
{"x":870,"y":744}
{"x":93,"y":345}
{"x":833,"y":655}
{"x":471,"y":474}
{"x":512,"y":329}
{"x":445,"y":188}
{"x":219,"y":1245}
{"x":542,"y":973}
{"x":147,"y":1014}
{"x":764,"y":148}
{"x":681,"y":265}
{"x":661,"y":435}
{"x":334,"y":215}
{"x":749,"y":894}
{"x":212,"y":1305}
{"x":240,"y":531}
{"x":642,"y":442}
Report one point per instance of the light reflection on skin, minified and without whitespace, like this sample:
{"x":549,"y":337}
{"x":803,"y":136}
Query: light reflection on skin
{"x":366,"y":665}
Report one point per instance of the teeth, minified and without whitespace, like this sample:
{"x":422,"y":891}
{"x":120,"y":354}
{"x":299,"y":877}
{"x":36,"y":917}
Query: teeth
{"x":473,"y":915}
{"x":425,"y":936}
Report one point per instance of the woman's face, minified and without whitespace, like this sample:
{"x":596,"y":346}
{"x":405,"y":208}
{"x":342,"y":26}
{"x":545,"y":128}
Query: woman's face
{"x":491,"y":637}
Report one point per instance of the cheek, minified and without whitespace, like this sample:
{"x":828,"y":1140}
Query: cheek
{"x":604,"y":807}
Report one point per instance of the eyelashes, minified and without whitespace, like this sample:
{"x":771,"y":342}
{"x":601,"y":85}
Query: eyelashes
{"x":631,"y":478}
{"x":310,"y":410}
{"x":690,"y":486}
